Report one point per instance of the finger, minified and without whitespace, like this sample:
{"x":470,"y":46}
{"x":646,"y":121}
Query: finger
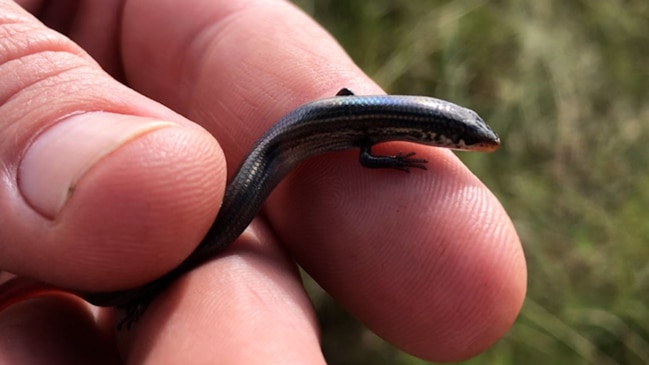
{"x":101,"y":188}
{"x":385,"y":245}
{"x":428,"y":260}
{"x":247,"y":307}
{"x":62,"y":329}
{"x":231,"y":67}
{"x":93,"y":25}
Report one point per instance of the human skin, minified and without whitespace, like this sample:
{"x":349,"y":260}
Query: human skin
{"x":429,"y":261}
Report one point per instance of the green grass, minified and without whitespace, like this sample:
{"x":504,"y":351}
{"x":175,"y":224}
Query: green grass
{"x":565,"y":84}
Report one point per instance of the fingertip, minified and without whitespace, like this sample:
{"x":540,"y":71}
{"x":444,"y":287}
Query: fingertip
{"x":429,"y":261}
{"x":118,"y":200}
{"x":486,"y":283}
{"x":62,"y":154}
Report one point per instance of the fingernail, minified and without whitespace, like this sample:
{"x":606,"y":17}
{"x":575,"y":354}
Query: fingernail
{"x":62,"y":154}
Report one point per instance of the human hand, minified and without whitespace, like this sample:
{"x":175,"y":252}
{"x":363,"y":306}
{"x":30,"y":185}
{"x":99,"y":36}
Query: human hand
{"x":429,"y":261}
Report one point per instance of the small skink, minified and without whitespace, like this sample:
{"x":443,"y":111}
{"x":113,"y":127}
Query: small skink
{"x":342,"y":122}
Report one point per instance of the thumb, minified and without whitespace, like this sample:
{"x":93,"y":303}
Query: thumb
{"x":100,"y":187}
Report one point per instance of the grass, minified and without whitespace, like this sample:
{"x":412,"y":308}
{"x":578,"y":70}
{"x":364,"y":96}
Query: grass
{"x":565,"y":84}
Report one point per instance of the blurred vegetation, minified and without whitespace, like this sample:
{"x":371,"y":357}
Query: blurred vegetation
{"x":565,"y":84}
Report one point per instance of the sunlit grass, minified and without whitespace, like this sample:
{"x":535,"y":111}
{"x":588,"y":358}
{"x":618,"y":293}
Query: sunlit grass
{"x":565,"y":84}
